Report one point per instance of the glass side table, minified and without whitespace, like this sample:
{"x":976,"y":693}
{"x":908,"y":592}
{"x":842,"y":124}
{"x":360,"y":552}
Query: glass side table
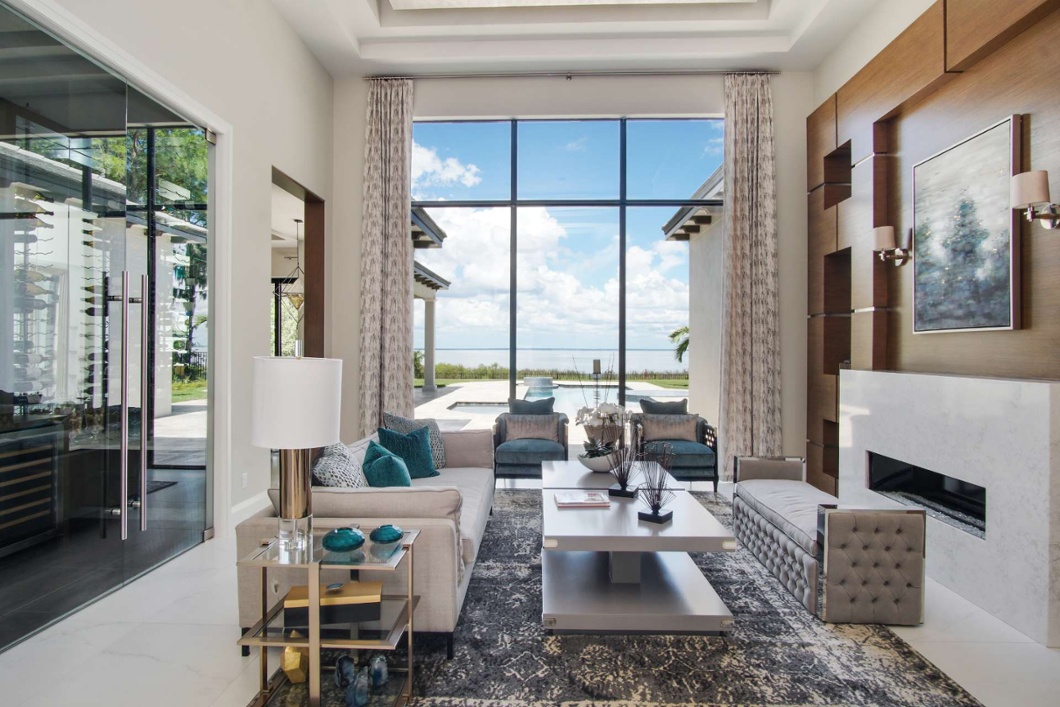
{"x":385,"y":634}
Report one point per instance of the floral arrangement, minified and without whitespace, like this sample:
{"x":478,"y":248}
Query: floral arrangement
{"x":602,"y":414}
{"x":604,"y":424}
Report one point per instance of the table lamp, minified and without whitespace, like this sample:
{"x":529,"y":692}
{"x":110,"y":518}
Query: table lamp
{"x":295,"y":408}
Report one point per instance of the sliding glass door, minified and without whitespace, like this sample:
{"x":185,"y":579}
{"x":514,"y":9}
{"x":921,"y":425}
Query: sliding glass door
{"x":103,"y":346}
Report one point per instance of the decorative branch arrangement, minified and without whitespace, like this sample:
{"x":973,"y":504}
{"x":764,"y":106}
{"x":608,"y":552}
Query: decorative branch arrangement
{"x":624,"y":470}
{"x":661,"y":453}
{"x":653,"y":491}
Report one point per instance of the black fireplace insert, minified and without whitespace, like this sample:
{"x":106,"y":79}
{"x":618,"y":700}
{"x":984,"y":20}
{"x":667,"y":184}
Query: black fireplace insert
{"x":958,"y":503}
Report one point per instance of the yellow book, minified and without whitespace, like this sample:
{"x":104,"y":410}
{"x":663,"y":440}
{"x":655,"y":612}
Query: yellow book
{"x":348,"y":593}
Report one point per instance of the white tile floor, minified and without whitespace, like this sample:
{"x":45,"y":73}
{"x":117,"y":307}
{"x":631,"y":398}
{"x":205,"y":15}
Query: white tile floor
{"x":169,"y":639}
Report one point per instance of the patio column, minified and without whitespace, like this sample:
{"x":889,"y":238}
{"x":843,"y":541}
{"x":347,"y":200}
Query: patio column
{"x":429,"y":385}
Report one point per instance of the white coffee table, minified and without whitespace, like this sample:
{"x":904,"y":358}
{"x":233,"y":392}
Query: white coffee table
{"x":573,"y":475}
{"x":606,"y":571}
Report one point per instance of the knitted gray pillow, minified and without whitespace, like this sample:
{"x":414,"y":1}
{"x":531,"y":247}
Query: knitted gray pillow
{"x":406,"y":426}
{"x":337,"y":468}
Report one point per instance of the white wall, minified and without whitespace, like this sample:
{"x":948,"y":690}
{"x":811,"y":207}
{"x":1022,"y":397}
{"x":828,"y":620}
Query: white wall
{"x":878,"y":28}
{"x":706,"y":279}
{"x":586,"y":97}
{"x":235,"y":60}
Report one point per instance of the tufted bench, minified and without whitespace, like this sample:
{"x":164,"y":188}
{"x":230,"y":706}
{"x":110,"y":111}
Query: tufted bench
{"x":847,"y":565}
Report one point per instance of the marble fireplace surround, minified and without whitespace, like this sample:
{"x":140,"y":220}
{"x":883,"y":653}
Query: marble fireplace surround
{"x":1002,"y":434}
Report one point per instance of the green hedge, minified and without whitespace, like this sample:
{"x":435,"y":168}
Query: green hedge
{"x":455,"y":371}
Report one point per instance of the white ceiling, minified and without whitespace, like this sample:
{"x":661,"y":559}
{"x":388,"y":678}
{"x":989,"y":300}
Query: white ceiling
{"x":285,"y":209}
{"x":370,"y":37}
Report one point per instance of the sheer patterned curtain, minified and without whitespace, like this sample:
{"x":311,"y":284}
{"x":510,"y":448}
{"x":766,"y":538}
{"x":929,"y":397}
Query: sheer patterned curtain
{"x":386,"y":255}
{"x":750,"y":370}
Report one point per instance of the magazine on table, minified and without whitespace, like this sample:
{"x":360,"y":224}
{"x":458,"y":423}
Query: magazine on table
{"x":582,"y":499}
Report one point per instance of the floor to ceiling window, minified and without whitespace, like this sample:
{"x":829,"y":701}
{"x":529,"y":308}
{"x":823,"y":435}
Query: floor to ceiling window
{"x":104,"y":343}
{"x":564,"y":251}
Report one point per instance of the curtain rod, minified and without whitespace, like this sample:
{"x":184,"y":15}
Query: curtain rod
{"x":569,"y":75}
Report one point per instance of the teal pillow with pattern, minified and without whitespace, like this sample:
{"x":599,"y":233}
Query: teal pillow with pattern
{"x":414,"y":449}
{"x":384,"y":468}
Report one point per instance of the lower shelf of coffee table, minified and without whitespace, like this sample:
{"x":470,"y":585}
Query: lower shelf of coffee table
{"x":673,"y":596}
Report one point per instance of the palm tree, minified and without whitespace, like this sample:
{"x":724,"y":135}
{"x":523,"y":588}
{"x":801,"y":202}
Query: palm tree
{"x":679,"y":337}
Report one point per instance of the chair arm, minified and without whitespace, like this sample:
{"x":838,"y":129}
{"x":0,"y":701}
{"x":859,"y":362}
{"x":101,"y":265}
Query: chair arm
{"x":789,"y":468}
{"x":707,"y":434}
{"x":500,"y":430}
{"x":873,"y":563}
{"x":562,"y":434}
{"x":636,"y":422}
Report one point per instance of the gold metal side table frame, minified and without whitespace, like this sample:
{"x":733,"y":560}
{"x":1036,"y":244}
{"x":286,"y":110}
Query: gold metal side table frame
{"x":396,"y":613}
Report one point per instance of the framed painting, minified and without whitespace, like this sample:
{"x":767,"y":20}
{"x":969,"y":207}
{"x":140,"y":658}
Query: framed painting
{"x":966,"y":235}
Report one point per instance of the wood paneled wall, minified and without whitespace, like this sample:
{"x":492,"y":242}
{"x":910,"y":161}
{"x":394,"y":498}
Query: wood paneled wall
{"x":961,"y":67}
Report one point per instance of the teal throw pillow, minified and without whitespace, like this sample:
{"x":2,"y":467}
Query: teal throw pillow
{"x":414,"y":449}
{"x":384,"y":468}
{"x":531,"y":407}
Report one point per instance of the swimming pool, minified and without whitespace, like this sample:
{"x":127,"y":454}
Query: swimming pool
{"x":571,"y":398}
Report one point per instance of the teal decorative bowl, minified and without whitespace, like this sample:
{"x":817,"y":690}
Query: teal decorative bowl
{"x":386,"y":539}
{"x":343,"y":540}
{"x":386,"y":534}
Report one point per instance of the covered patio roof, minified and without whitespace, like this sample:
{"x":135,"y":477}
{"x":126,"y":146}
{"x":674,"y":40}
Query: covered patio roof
{"x":690,"y":220}
{"x":428,"y":279}
{"x":425,"y":232}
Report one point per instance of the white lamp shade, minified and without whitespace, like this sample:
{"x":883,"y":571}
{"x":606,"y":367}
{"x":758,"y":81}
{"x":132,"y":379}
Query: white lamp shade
{"x":296,"y":402}
{"x":1029,"y":188}
{"x":885,"y":238}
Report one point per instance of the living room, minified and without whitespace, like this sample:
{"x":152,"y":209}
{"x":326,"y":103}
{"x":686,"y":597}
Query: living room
{"x":222,"y":106}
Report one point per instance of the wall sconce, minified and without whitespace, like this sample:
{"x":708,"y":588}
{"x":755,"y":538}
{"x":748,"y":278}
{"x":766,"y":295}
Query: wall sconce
{"x":1030,"y":191}
{"x":888,"y":248}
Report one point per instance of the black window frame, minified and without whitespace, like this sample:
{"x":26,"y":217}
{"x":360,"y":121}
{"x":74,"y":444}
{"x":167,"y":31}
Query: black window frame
{"x":514,"y":203}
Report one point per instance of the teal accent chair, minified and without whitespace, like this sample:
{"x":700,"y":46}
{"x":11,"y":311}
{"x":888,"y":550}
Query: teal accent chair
{"x":693,"y":461}
{"x":521,"y":458}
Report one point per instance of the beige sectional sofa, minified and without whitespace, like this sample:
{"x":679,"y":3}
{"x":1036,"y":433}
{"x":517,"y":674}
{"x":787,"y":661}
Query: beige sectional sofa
{"x":449,"y":510}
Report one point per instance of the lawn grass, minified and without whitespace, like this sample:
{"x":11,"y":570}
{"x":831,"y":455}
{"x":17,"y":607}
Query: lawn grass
{"x":675,"y":383}
{"x":189,"y":390}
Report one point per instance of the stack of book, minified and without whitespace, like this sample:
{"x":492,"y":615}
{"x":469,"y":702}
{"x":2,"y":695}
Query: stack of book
{"x":347,"y":603}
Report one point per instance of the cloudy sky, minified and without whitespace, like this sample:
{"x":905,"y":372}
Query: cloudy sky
{"x":567,"y":256}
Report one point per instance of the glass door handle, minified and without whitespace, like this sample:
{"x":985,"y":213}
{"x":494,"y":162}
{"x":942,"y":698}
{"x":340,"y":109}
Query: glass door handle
{"x":144,"y":360}
{"x":123,"y":483}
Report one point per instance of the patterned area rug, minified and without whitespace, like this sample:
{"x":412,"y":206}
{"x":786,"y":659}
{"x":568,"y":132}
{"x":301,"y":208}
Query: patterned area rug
{"x":778,"y":654}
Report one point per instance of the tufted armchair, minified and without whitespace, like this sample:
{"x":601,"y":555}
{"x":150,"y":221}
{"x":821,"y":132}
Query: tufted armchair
{"x":521,"y":458}
{"x":693,"y":460}
{"x":847,"y":565}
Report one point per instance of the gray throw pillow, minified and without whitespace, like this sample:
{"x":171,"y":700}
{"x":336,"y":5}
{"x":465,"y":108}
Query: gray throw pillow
{"x":543,"y":406}
{"x":670,"y":427}
{"x":406,"y":426}
{"x":337,"y":468}
{"x":658,"y":407}
{"x":533,"y":427}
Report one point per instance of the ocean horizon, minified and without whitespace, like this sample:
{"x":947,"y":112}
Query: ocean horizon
{"x":637,"y":360}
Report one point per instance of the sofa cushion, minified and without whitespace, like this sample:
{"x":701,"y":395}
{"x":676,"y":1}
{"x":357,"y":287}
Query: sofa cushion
{"x":669,"y":427}
{"x":475,"y":486}
{"x":469,"y":448}
{"x":384,"y":468}
{"x":658,"y":407}
{"x":384,"y":503}
{"x":529,"y":451}
{"x":414,"y":449}
{"x":518,"y":406}
{"x":685,"y":453}
{"x":789,"y":505}
{"x":405,"y":425}
{"x":337,"y":467}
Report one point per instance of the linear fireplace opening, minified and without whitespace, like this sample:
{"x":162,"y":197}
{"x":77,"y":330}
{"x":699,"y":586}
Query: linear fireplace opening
{"x":952,"y":501}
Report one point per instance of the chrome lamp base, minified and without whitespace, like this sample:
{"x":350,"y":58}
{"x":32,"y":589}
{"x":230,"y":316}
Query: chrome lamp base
{"x":296,"y":500}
